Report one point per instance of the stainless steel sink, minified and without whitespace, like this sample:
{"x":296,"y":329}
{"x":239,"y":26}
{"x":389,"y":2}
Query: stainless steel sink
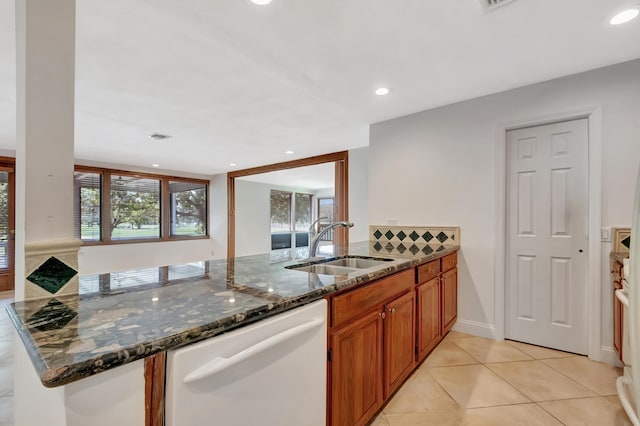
{"x":325,"y":269}
{"x":340,"y":265}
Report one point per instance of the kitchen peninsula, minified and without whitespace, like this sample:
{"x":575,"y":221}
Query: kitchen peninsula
{"x":69,"y":338}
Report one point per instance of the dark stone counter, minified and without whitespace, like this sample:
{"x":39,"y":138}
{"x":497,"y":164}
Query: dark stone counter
{"x":120,"y":317}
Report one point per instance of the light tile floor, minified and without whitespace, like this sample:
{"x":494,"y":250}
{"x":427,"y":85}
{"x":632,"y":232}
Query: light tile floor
{"x":6,"y":361}
{"x":466,"y":380}
{"x":472,"y":381}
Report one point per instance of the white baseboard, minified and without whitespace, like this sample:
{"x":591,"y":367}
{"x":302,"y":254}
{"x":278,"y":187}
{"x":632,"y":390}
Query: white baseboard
{"x":475,"y":328}
{"x":608,"y":355}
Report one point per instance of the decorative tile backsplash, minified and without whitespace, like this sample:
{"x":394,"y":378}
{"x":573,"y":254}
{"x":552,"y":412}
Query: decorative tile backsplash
{"x":52,"y":275}
{"x":621,"y":240}
{"x":446,"y":235}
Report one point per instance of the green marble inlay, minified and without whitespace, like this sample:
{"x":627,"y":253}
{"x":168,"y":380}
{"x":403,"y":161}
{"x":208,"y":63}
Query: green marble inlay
{"x":52,"y":275}
{"x":54,"y":316}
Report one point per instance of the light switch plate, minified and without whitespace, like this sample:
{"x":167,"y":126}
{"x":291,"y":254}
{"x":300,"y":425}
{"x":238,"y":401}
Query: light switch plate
{"x":605,"y":234}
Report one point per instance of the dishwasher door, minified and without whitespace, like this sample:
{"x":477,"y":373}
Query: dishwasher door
{"x":269,"y":373}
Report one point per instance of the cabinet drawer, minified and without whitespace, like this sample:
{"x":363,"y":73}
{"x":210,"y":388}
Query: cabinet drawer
{"x":449,"y":262}
{"x":360,"y":301}
{"x":428,"y":271}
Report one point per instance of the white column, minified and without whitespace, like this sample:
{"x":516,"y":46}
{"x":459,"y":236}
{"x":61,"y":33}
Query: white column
{"x":45,"y":47}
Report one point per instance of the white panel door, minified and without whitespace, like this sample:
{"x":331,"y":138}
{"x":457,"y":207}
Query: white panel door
{"x":547,"y":241}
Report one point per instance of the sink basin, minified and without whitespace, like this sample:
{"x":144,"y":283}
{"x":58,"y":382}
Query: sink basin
{"x":340,"y":265}
{"x":325,"y":269}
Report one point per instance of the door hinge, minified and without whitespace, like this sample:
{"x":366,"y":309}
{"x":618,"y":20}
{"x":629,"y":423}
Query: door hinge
{"x":329,"y":355}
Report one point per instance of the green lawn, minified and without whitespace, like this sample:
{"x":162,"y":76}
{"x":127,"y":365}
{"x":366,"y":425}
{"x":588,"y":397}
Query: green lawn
{"x":92,"y":233}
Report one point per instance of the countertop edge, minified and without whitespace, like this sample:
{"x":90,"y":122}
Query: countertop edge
{"x":55,"y":377}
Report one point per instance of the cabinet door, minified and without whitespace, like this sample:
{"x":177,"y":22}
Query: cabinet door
{"x":617,"y":321}
{"x":429,"y":331}
{"x":449,"y":299}
{"x":356,"y":386}
{"x":399,"y":341}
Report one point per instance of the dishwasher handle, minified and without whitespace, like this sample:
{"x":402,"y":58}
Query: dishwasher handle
{"x":218,"y":364}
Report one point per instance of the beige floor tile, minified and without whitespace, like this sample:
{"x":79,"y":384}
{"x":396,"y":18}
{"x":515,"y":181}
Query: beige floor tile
{"x":420,"y":393}
{"x":380,"y":421}
{"x":447,"y":354}
{"x":513,"y":415}
{"x":6,"y":411}
{"x":452,"y":336}
{"x":538,"y":381}
{"x":486,"y":351}
{"x":474,"y":386}
{"x":538,"y":352}
{"x":595,"y":411}
{"x":439,"y":418}
{"x":599,"y":377}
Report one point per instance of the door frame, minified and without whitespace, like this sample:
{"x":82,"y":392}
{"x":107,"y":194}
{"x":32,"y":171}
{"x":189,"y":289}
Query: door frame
{"x":8,"y":164}
{"x":593,"y":114}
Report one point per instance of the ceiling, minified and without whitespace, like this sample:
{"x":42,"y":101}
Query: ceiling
{"x":233,"y":82}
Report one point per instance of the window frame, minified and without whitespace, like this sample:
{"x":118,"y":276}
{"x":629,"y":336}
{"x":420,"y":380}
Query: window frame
{"x":165,"y":206}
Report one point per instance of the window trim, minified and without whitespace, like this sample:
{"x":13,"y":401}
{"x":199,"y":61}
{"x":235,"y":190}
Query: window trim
{"x":165,"y":206}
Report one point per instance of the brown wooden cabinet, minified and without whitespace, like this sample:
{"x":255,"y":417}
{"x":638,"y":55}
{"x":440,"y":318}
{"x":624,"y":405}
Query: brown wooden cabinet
{"x":616,"y":276}
{"x":429,"y":331}
{"x":399,"y":341}
{"x":356,"y":363}
{"x":449,"y":299}
{"x":380,"y":331}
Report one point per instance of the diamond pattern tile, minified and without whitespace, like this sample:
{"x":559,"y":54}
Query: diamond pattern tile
{"x":414,"y":249}
{"x":626,"y":242}
{"x":401,"y":235}
{"x":414,"y":235}
{"x":427,"y":250}
{"x":401,"y":248}
{"x":377,"y":234}
{"x":52,"y":275}
{"x":442,"y":237}
{"x":427,"y":236}
{"x":388,"y":234}
{"x":377,"y":246}
{"x":54,"y":315}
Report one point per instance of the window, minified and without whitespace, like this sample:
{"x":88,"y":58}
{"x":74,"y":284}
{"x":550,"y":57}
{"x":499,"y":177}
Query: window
{"x":280,"y":211}
{"x":135,"y":208}
{"x":188,"y":208}
{"x":303,"y":211}
{"x":286,"y":218}
{"x":113,"y":206}
{"x":86,"y":200}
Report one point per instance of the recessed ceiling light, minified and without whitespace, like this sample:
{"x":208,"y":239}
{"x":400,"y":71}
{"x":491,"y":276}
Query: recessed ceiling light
{"x":288,"y":152}
{"x":261,"y":2}
{"x":155,"y":165}
{"x":381,"y":91}
{"x":159,"y":136}
{"x":232,"y":164}
{"x":624,"y":16}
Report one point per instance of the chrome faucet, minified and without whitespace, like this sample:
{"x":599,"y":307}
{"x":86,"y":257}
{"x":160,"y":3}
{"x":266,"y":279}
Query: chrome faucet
{"x":314,"y":237}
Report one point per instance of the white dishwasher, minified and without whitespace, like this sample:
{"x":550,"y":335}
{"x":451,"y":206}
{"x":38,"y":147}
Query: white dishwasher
{"x":270,"y":373}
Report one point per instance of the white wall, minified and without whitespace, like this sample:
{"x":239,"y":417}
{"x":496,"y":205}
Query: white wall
{"x":438,"y":167}
{"x":358,"y":194}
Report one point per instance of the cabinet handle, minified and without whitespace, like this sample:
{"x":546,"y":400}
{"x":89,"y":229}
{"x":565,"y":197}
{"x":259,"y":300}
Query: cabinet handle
{"x":392,"y":310}
{"x":382,"y":315}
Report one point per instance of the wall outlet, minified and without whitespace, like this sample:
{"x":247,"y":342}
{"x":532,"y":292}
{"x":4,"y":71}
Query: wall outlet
{"x":392,"y":222}
{"x":605,"y":234}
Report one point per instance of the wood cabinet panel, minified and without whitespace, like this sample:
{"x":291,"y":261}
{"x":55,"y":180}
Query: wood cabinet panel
{"x":399,"y":341}
{"x":428,"y":271}
{"x":449,"y":299}
{"x":429,"y":331}
{"x":616,"y":276}
{"x":449,"y":262}
{"x":351,"y":305}
{"x":355,"y":371}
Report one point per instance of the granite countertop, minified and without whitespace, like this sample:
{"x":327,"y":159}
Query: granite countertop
{"x":121,"y":317}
